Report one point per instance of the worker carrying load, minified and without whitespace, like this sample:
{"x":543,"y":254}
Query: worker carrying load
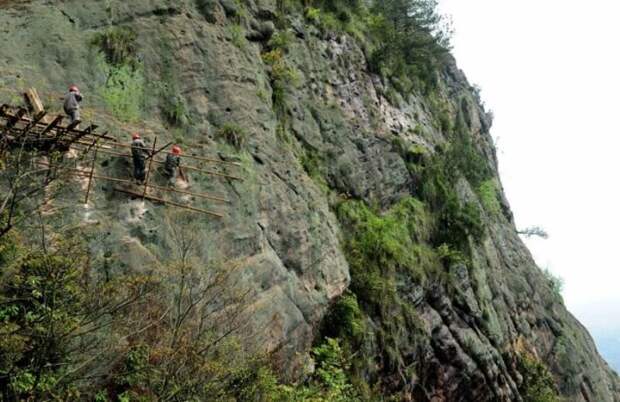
{"x":72,"y":104}
{"x":139,"y":154}
{"x":173,"y":165}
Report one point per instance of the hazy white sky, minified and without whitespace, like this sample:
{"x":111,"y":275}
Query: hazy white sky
{"x":550,"y":72}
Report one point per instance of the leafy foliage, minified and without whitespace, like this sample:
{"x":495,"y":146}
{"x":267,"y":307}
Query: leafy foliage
{"x":538,"y":384}
{"x":556,"y":282}
{"x":47,"y":313}
{"x":237,"y":34}
{"x":282,"y":76}
{"x":387,"y":255}
{"x":123,"y":91}
{"x":457,"y":221}
{"x":488,"y":193}
{"x":233,"y":134}
{"x":410,"y":41}
{"x":118,"y":44}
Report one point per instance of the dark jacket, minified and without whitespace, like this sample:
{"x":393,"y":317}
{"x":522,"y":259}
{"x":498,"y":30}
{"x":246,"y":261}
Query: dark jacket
{"x":72,"y":101}
{"x":138,"y":149}
{"x":172,"y":162}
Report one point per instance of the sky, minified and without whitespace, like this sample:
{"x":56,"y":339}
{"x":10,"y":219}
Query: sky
{"x":550,"y":72}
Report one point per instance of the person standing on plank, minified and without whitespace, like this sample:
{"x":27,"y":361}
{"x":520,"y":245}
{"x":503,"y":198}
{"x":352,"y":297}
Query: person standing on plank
{"x":72,"y":104}
{"x":173,"y":164}
{"x":138,"y":154}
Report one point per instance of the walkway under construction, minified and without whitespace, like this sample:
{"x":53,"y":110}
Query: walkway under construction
{"x":34,"y":130}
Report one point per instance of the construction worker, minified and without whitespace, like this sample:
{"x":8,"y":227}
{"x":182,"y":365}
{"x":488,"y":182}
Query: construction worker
{"x":173,"y":163}
{"x":72,"y":103}
{"x":138,"y":154}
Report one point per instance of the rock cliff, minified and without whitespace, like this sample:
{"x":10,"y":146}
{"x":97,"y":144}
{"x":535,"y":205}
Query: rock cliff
{"x":357,"y":196}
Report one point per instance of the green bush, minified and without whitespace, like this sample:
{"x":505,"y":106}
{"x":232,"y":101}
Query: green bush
{"x":233,"y":134}
{"x":282,"y":77}
{"x":345,"y":319}
{"x":237,"y":34}
{"x":123,"y":92}
{"x":488,"y":193}
{"x":118,"y":44}
{"x":281,"y":40}
{"x":538,"y":384}
{"x":555,"y":282}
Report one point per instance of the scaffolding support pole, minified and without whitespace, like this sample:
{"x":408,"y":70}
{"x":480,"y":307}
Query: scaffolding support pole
{"x":148,"y":172}
{"x":92,"y":172}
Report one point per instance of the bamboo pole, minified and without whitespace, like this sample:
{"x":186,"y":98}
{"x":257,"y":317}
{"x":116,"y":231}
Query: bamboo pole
{"x":117,"y":144}
{"x":150,"y":197}
{"x":209,"y":172}
{"x":208,"y":197}
{"x":92,"y":171}
{"x":148,"y":172}
{"x":83,"y":172}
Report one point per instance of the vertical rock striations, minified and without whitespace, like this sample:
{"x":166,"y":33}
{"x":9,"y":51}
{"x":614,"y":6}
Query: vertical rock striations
{"x":350,"y":184}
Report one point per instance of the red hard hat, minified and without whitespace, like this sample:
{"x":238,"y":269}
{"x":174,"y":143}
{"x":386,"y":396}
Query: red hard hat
{"x":74,"y":88}
{"x":135,"y":136}
{"x":176,"y":150}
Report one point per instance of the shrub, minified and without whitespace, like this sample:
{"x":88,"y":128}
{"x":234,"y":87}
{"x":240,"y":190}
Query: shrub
{"x":123,"y":92}
{"x":282,"y":75}
{"x":281,"y":40}
{"x":313,"y":15}
{"x":487,"y":191}
{"x":237,"y":34}
{"x":555,"y":282}
{"x":345,"y":319}
{"x":233,"y":135}
{"x":118,"y":45}
{"x":538,"y":384}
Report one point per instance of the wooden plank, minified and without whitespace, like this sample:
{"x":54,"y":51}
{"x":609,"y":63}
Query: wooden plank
{"x":38,"y":117}
{"x":80,"y":134}
{"x":15,"y":118}
{"x":73,"y":125}
{"x":52,"y":125}
{"x":32,"y":98}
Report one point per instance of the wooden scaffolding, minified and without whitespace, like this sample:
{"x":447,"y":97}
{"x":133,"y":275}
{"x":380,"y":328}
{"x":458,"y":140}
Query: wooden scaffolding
{"x":34,"y":130}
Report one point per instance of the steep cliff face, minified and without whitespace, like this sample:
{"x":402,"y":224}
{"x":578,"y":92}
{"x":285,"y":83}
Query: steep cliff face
{"x":349,"y":184}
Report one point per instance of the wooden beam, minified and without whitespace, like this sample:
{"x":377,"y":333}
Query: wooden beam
{"x":15,"y":118}
{"x":34,"y":122}
{"x":32,"y":98}
{"x":73,"y":125}
{"x":52,"y":125}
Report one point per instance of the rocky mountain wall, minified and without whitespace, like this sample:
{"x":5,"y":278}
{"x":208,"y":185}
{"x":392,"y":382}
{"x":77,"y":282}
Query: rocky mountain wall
{"x":335,"y":134}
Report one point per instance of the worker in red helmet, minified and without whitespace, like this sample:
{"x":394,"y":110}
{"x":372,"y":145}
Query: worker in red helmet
{"x":173,"y":164}
{"x":72,"y":104}
{"x":139,"y":152}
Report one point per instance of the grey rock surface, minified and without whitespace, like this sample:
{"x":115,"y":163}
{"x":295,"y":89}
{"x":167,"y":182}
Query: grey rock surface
{"x":279,"y":226}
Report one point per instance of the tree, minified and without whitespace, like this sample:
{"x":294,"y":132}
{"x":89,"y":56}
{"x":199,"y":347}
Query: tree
{"x":534,"y":231}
